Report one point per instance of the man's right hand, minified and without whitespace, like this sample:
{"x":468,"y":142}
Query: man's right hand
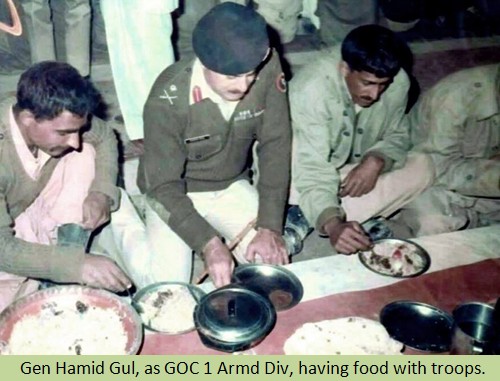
{"x":102,"y":272}
{"x":218,"y":261}
{"x":347,"y":237}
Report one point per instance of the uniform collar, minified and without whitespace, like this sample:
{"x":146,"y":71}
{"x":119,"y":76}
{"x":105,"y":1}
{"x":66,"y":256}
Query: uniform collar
{"x":199,"y":88}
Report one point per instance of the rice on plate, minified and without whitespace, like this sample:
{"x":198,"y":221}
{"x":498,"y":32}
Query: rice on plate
{"x":168,"y":307}
{"x":70,"y":320}
{"x":396,"y":258}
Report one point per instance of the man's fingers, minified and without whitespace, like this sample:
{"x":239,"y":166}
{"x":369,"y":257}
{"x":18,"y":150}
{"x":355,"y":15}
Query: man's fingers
{"x":221,"y":278}
{"x":352,"y":240}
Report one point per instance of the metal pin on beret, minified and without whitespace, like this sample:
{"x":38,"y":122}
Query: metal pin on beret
{"x":231,"y":39}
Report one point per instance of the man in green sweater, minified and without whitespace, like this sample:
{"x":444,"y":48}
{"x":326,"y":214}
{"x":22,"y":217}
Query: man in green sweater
{"x":49,"y":147}
{"x":201,"y":121}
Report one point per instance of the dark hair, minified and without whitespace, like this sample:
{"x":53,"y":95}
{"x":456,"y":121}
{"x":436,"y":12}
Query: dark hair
{"x":48,"y":88}
{"x":374,"y":49}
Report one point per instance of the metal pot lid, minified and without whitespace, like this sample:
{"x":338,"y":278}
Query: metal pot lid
{"x":418,"y":325}
{"x":234,"y":314}
{"x":276,"y":283}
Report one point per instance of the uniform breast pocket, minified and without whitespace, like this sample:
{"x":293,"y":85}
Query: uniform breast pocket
{"x":246,"y":129}
{"x":203,"y":147}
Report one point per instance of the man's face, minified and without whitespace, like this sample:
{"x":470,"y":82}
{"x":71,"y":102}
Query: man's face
{"x":57,"y":136}
{"x":365,"y":88}
{"x":228,"y":87}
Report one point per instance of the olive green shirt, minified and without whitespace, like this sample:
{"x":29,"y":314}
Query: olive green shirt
{"x":328,"y":133}
{"x":457,"y":122}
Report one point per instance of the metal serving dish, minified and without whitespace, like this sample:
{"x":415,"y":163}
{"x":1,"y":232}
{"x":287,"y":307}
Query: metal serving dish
{"x":418,"y":325}
{"x":233,"y":319}
{"x":168,"y":307}
{"x":276,"y":283}
{"x":51,"y":300}
{"x":414,"y":259}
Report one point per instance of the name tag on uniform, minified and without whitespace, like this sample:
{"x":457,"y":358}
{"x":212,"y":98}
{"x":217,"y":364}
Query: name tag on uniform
{"x":248,"y":114}
{"x":196,"y":139}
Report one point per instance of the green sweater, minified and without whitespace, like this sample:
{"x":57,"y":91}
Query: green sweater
{"x":18,"y":191}
{"x":176,"y":160}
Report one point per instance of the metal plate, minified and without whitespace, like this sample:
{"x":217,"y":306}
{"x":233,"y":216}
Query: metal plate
{"x":276,"y":283}
{"x":412,"y":265}
{"x":151,"y":291}
{"x":53,"y":297}
{"x":418,"y":325}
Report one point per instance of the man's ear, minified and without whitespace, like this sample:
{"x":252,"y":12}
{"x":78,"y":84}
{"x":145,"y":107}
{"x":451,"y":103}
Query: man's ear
{"x":344,"y":68}
{"x":26,"y":118}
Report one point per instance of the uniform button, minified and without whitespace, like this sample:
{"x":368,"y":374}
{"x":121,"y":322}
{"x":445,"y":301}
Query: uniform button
{"x":197,"y":156}
{"x":346,"y":133}
{"x":344,"y":113}
{"x":1,"y":135}
{"x":469,"y":177}
{"x":357,"y":155}
{"x":494,"y":148}
{"x":478,"y":84}
{"x":360,"y":131}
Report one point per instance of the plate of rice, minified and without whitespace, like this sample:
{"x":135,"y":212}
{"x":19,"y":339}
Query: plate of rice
{"x":396,"y":258}
{"x":168,"y":307}
{"x":70,"y":320}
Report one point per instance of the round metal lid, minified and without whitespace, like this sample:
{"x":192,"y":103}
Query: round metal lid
{"x":418,"y":325}
{"x":282,"y":287}
{"x":234,"y":314}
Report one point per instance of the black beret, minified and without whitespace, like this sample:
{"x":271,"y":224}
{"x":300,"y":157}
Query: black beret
{"x":231,"y":39}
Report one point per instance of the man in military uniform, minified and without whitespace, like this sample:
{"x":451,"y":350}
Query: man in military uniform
{"x":457,"y":123}
{"x":351,"y":137}
{"x":201,"y":120}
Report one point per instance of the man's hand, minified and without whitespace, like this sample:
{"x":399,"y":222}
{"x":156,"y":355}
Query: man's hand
{"x":218,"y":261}
{"x":363,"y":177}
{"x":347,"y":237}
{"x":96,"y":210}
{"x":102,"y":272}
{"x":270,"y":246}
